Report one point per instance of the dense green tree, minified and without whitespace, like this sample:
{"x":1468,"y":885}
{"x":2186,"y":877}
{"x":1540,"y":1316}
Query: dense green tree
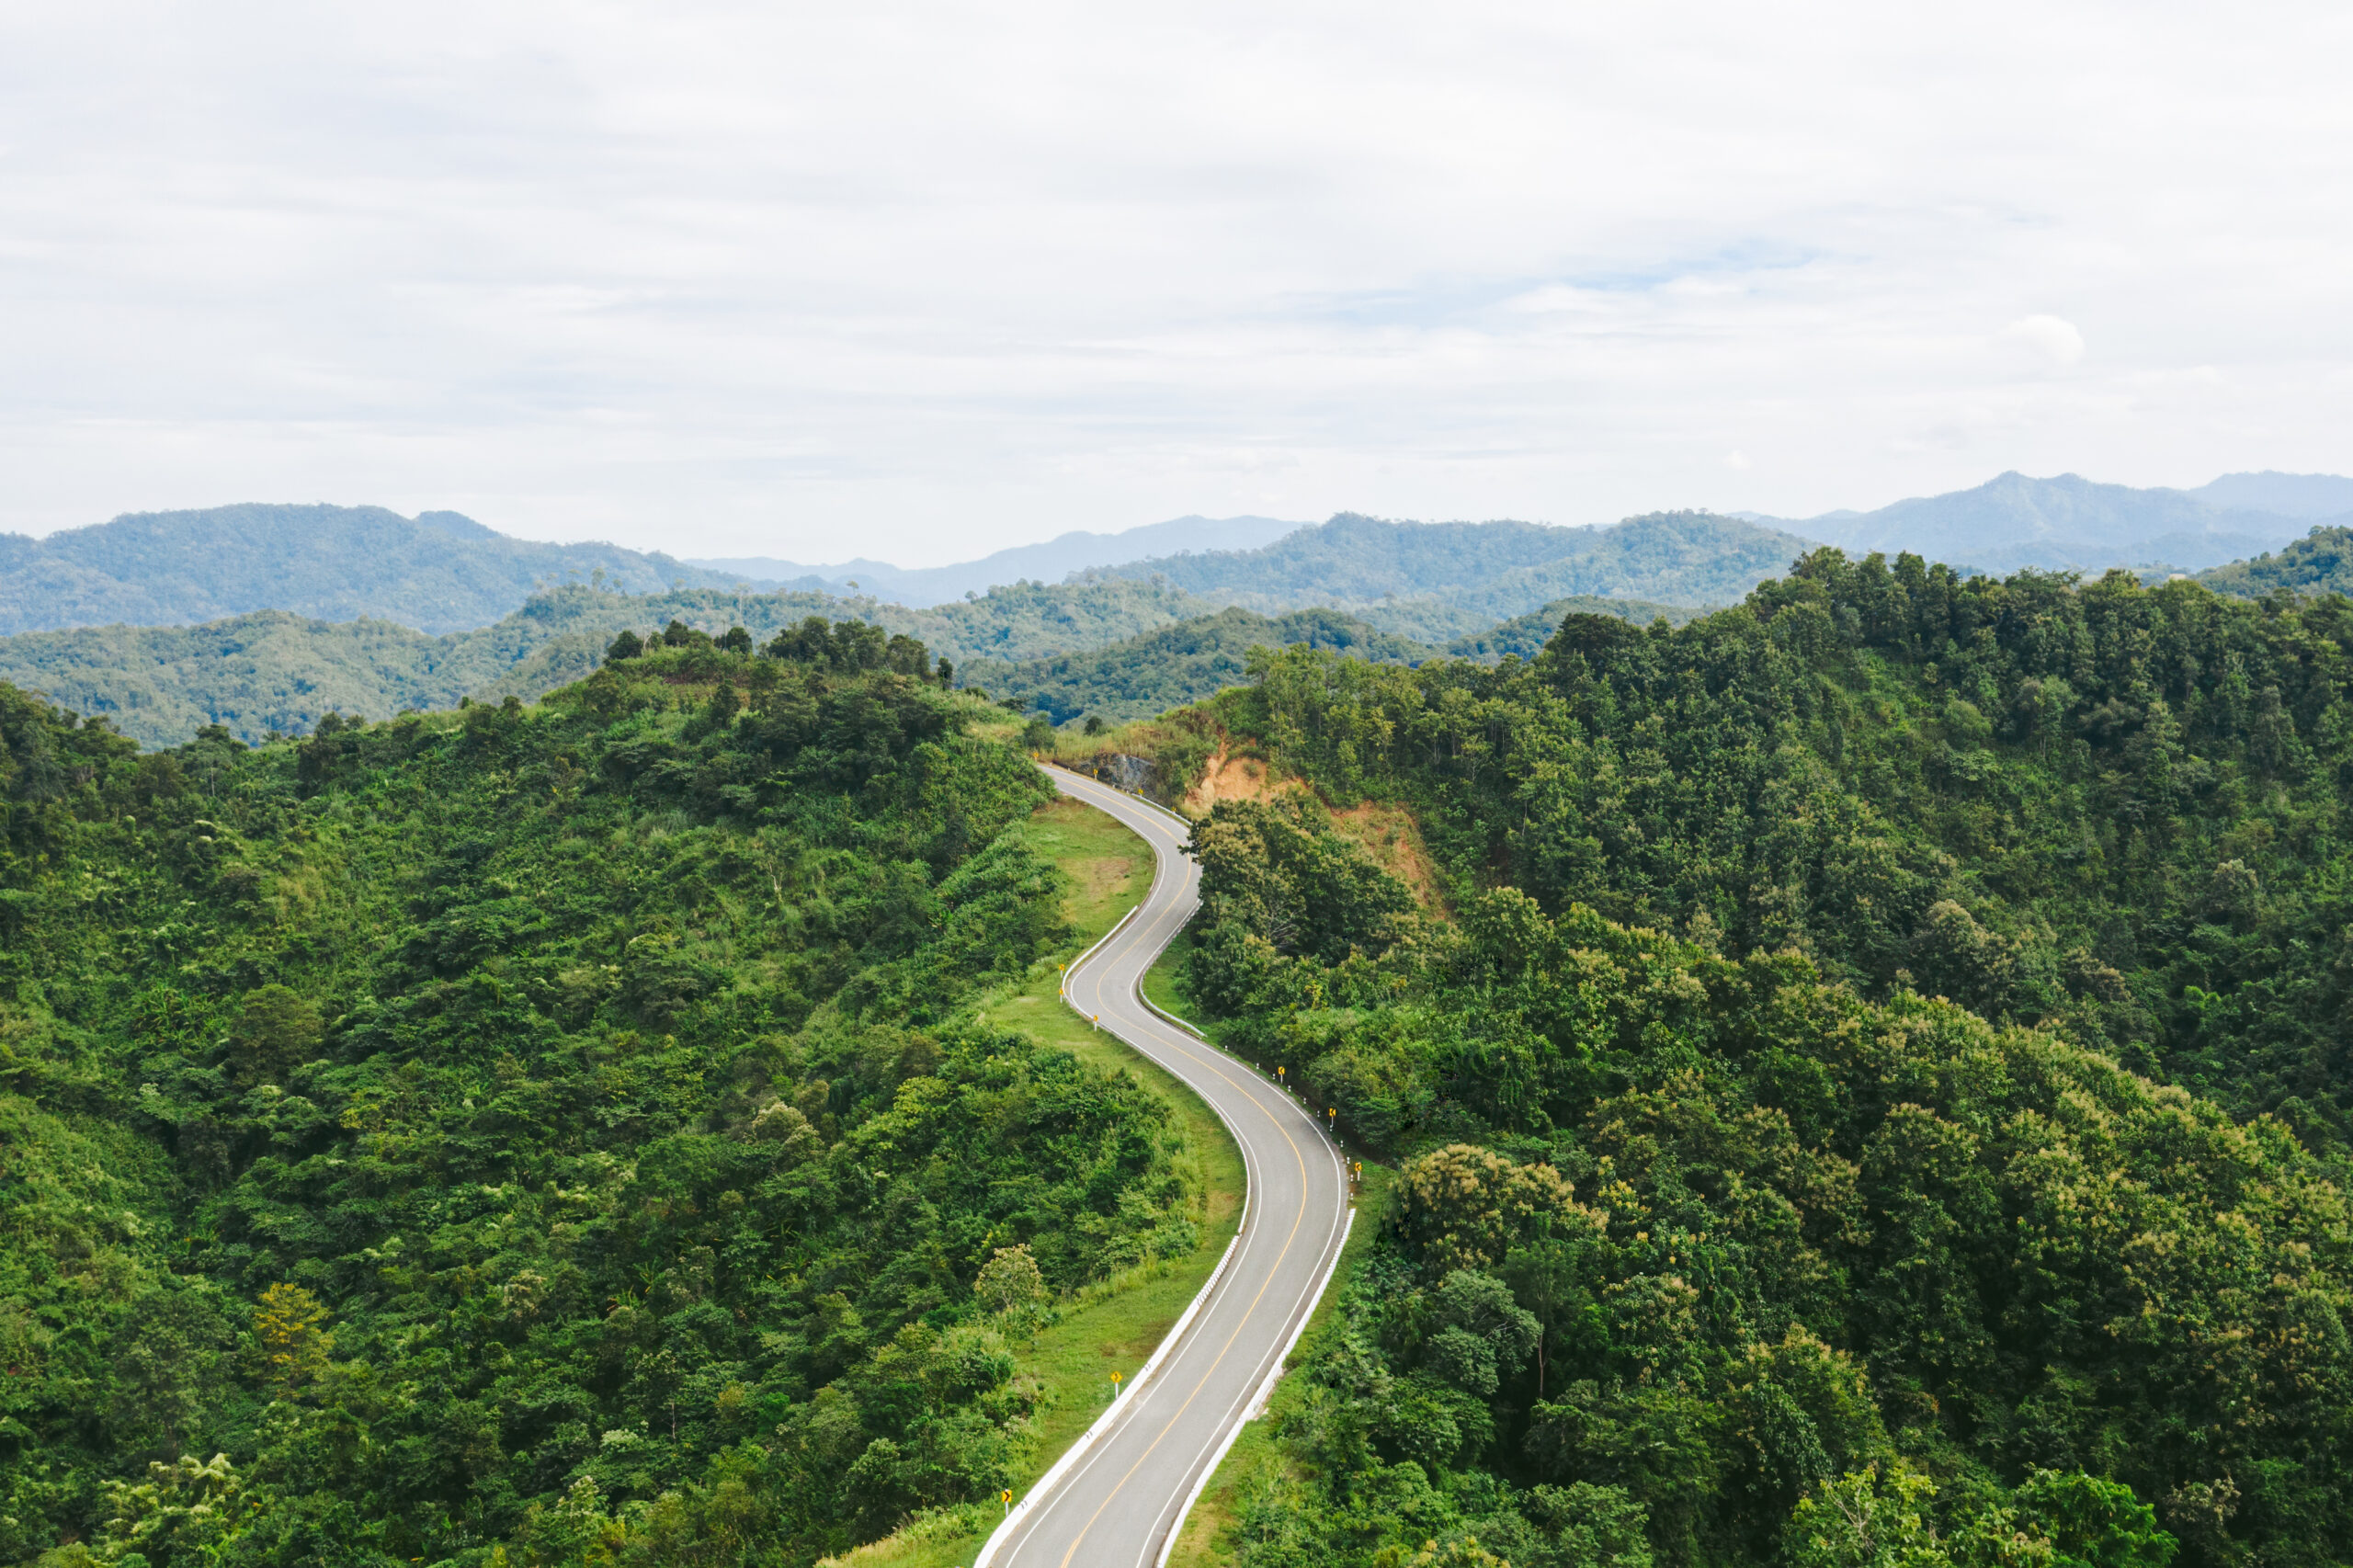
{"x":552,"y":1134}
{"x":2112,"y":808}
{"x":2321,"y":562}
{"x":1887,"y":1048}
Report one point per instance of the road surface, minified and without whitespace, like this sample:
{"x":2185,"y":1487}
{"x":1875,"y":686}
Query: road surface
{"x":1118,"y":1502}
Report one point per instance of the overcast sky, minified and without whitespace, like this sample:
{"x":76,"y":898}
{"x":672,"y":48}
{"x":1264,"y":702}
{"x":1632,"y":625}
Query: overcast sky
{"x":920,"y":281}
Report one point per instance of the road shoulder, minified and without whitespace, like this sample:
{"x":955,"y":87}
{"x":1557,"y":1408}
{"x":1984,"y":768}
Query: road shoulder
{"x":1117,"y":1323}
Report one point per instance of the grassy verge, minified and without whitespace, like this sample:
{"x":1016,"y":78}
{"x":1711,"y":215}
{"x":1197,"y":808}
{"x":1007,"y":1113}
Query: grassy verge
{"x":1113,"y":1325}
{"x":1109,"y":868}
{"x":1255,"y":1457}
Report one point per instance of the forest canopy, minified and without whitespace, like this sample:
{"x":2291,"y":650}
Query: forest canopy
{"x":1883,"y":1097}
{"x":537,"y":1135}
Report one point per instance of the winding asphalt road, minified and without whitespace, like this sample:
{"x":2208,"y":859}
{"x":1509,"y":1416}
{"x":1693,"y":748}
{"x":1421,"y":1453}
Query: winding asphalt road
{"x":1120,"y":1496}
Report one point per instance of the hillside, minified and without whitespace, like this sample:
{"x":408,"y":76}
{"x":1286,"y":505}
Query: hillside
{"x":1428,"y":578}
{"x":2071,"y":523}
{"x":1116,"y":648}
{"x":1174,"y":665}
{"x":497,"y":1131}
{"x":277,"y":672}
{"x":2320,"y":562}
{"x":1896,"y":1034}
{"x":2100,"y":780}
{"x":437,"y":572}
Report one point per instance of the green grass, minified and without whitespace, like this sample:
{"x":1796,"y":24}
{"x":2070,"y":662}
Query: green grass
{"x":1109,"y":867}
{"x":1112,"y":1326}
{"x":1254,"y":1458}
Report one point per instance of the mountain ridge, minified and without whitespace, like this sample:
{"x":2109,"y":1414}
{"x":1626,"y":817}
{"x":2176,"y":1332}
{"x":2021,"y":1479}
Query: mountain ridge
{"x":1384,"y":569}
{"x":438,"y":571}
{"x":2068,"y":522}
{"x":1048,"y":561}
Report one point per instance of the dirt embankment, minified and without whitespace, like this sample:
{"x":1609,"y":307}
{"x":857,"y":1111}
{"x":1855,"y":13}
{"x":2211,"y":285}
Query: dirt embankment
{"x":1226,"y":776}
{"x":1391,"y":835}
{"x":1388,"y":833}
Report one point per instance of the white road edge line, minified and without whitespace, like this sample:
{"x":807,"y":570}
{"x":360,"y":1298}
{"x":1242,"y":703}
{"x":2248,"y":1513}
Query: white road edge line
{"x":1256,"y":1405}
{"x":1257,"y":1402}
{"x":1103,"y":1423}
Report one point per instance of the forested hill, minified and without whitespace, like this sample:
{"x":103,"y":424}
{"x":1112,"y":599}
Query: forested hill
{"x":1887,"y":1097}
{"x":1435,"y":580}
{"x":1174,"y":665}
{"x":1524,"y":636}
{"x":275,"y":672}
{"x":1116,"y":648}
{"x":537,"y":1135}
{"x":2320,"y":562}
{"x":2113,"y":808}
{"x":437,"y":572}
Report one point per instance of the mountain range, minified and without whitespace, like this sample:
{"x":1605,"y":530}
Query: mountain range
{"x":2073,"y":523}
{"x":1440,"y":581}
{"x":1049,"y":561}
{"x":437,"y":572}
{"x":264,"y":617}
{"x":1387,"y":589}
{"x":440,"y":572}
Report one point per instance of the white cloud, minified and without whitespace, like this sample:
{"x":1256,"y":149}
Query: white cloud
{"x":918,"y":280}
{"x":2049,"y":341}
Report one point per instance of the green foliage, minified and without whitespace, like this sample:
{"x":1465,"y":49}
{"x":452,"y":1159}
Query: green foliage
{"x":2321,"y":562}
{"x":2114,"y":810}
{"x":1292,"y":887}
{"x":1771,"y":1070}
{"x":2092,"y":1523}
{"x":537,"y":1135}
{"x":1756,"y":1232}
{"x":1864,"y":1520}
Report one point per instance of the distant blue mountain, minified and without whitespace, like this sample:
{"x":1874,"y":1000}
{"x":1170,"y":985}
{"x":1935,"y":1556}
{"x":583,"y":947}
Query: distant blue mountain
{"x":1048,"y":562}
{"x":437,"y":572}
{"x":1435,"y":582}
{"x":2073,"y":523}
{"x":2288,"y":495}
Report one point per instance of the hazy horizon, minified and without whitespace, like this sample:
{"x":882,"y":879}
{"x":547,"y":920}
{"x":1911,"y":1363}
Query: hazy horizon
{"x":853,"y":563}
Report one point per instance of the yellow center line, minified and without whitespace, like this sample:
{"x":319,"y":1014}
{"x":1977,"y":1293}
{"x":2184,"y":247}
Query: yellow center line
{"x":1248,"y":1313}
{"x":1214,"y":1063}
